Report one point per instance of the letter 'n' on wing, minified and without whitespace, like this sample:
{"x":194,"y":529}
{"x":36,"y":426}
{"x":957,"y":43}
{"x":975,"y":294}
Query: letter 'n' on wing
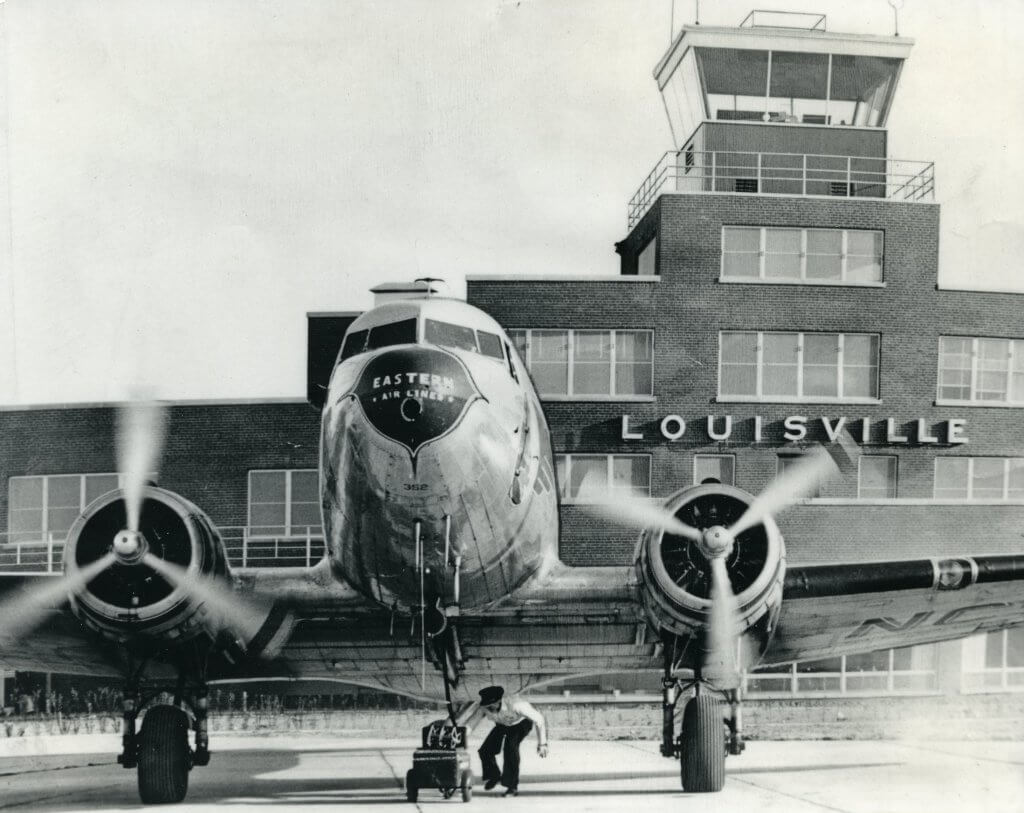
{"x":832,"y":610}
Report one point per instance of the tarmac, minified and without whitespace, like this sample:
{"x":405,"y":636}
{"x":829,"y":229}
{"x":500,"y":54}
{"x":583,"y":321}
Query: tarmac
{"x":308,"y":772}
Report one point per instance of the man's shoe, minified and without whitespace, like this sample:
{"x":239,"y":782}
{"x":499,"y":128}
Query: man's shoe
{"x":490,"y":783}
{"x":512,"y":792}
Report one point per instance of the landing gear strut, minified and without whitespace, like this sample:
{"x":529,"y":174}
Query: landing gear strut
{"x":160,"y":751}
{"x":708,"y":731}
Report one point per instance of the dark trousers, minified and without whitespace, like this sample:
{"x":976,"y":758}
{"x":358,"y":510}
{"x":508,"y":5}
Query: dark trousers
{"x":506,"y":739}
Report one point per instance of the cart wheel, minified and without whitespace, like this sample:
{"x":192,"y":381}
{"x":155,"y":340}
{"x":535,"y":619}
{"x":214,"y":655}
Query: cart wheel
{"x":466,"y":786}
{"x":411,"y":791}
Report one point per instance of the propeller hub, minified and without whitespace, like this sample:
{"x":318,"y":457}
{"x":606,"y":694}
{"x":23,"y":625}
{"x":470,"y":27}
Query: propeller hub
{"x":716,"y":542}
{"x":130,"y":547}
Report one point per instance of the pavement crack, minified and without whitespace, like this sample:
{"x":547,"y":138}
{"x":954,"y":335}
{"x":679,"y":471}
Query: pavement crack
{"x":795,"y":797}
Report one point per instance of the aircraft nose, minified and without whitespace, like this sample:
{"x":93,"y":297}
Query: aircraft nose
{"x":414,"y":395}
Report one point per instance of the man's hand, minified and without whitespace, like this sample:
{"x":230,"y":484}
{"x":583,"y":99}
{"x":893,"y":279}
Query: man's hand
{"x":542,"y":749}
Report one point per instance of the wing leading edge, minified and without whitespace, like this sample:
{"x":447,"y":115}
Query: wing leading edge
{"x":846,"y":609}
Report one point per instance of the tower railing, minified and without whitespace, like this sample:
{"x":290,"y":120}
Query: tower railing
{"x":783,"y":173}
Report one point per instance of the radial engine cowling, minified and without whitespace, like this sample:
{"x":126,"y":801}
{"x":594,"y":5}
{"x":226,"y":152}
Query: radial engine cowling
{"x":130,"y":600}
{"x":675,"y":576}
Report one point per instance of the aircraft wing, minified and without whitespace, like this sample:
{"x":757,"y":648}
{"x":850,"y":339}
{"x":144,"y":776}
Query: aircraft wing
{"x":845,"y":609}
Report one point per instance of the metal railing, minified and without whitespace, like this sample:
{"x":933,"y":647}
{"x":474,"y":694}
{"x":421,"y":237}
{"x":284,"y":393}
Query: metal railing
{"x":247,"y":546}
{"x":783,"y":173}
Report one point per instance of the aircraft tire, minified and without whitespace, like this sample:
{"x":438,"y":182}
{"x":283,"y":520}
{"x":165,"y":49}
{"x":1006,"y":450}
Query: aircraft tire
{"x":702,"y":763}
{"x":163,"y":756}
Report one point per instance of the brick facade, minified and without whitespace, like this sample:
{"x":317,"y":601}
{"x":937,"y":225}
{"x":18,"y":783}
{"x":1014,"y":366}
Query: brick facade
{"x":687,"y":305}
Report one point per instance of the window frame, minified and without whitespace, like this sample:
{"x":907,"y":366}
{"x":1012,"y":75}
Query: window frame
{"x":288,"y":525}
{"x":570,"y":394}
{"x":760,"y":397}
{"x":763,"y":279}
{"x":45,"y":534}
{"x":1015,"y":348}
{"x":895,"y":476}
{"x":1005,"y":498}
{"x":609,"y":464}
{"x":697,"y":457}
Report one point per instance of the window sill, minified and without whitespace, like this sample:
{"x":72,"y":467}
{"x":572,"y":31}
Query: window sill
{"x":597,"y":399}
{"x":988,"y":404}
{"x":800,"y":283}
{"x":741,"y":399}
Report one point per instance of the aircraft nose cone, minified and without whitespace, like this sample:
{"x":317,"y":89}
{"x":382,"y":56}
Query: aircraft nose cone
{"x":414,"y":395}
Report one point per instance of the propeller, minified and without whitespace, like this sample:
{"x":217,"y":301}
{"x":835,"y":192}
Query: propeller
{"x":797,"y":481}
{"x":226,"y":608}
{"x":140,"y":439}
{"x":24,"y":611}
{"x":716,"y":543}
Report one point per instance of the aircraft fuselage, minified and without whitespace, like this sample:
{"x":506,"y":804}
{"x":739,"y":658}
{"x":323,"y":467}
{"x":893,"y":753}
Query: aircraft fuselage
{"x":436,"y":469}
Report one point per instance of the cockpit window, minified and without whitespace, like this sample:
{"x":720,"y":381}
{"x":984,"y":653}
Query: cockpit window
{"x":403,"y":332}
{"x":449,"y":335}
{"x":490,"y":344}
{"x":355,"y":343}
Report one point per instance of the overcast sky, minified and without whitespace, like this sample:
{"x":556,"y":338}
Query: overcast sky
{"x":186,"y":180}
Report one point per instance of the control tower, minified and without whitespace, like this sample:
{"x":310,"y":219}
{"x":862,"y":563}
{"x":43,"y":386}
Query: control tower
{"x":779,"y":106}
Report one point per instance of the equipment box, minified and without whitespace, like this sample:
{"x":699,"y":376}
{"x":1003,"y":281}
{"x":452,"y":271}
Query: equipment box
{"x":442,"y":763}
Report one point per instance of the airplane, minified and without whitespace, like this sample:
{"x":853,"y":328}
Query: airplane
{"x":441,"y":573}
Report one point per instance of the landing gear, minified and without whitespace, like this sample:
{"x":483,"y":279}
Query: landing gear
{"x":702,"y":745}
{"x":160,"y":751}
{"x":164,"y":759}
{"x":710,"y":730}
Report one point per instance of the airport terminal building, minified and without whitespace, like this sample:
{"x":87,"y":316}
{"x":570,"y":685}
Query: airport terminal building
{"x":778,"y":290}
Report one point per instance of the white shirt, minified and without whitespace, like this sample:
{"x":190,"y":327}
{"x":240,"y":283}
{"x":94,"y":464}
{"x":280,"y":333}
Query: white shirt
{"x":512,"y":711}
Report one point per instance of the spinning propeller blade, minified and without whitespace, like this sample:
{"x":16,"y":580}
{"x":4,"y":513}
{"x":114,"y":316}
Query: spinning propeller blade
{"x":140,"y":440}
{"x":24,"y":611}
{"x":794,"y":483}
{"x":228,"y":610}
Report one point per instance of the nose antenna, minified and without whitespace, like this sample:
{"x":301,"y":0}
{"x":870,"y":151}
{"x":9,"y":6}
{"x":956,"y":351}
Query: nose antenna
{"x":428,"y":282}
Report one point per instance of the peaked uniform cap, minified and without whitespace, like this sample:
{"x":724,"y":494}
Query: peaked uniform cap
{"x":492,"y":694}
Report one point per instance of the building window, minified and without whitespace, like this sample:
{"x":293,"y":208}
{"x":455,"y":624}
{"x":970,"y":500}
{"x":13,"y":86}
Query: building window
{"x":44,"y":507}
{"x":588,"y":364}
{"x":887,"y":671}
{"x":798,"y":366}
{"x":786,"y":462}
{"x":979,"y":478}
{"x":590,"y":477}
{"x":981,"y":371}
{"x":995,"y":661}
{"x":284,"y":503}
{"x":812,"y":256}
{"x":876,"y":477}
{"x":719,"y":468}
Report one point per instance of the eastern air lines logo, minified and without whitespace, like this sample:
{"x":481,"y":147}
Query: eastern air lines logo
{"x":415,"y":395}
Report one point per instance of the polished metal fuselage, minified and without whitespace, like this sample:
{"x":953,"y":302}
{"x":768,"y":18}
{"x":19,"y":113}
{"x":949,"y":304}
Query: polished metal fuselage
{"x":460,"y":512}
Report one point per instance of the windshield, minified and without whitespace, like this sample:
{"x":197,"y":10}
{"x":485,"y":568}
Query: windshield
{"x":461,"y":337}
{"x":359,"y":341}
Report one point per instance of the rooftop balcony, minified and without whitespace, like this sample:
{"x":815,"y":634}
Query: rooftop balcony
{"x":782,"y":173}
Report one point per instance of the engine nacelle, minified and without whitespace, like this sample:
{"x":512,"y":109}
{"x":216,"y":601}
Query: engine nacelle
{"x":131,"y":601}
{"x":675,"y":576}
